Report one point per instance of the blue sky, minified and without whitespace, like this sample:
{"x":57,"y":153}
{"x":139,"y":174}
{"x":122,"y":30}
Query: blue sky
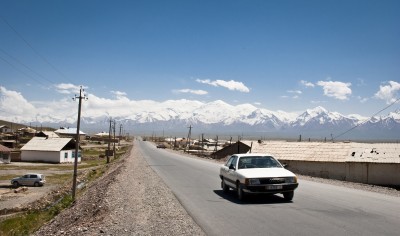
{"x":278,"y":55}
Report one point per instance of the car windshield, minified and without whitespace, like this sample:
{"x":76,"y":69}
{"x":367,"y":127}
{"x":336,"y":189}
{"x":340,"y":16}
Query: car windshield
{"x":258,"y":162}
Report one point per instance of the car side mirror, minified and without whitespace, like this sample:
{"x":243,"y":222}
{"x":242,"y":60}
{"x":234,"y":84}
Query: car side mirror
{"x":231,"y":167}
{"x":285,"y":165}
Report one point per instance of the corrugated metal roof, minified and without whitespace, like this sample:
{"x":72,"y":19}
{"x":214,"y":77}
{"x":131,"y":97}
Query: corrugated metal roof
{"x":330,"y":152}
{"x":46,"y":144}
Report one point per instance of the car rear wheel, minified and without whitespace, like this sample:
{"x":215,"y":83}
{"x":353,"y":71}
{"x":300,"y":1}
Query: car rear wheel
{"x":288,"y":196}
{"x":15,"y":184}
{"x":240,"y":193}
{"x":225,"y":188}
{"x":36,"y":184}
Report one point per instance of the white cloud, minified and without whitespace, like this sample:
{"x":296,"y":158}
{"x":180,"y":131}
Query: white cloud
{"x":388,"y":92}
{"x":68,"y":88}
{"x":13,"y":103}
{"x":231,"y":85}
{"x":119,"y":94}
{"x":257,"y":103}
{"x":295,"y":91}
{"x":317,"y":102}
{"x":307,"y":84}
{"x":197,"y":92}
{"x":336,"y":89}
{"x":362,"y":100}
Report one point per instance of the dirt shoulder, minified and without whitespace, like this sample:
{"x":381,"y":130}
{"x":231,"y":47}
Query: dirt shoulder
{"x":130,"y":199}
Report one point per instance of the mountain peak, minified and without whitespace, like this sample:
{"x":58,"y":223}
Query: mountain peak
{"x":317,"y":109}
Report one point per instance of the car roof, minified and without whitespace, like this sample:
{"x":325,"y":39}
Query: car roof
{"x":33,"y":174}
{"x":253,"y":155}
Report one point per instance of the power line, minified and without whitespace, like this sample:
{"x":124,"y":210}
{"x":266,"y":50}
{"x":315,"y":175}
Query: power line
{"x":391,"y":104}
{"x":21,"y":71}
{"x":27,"y":67}
{"x":33,"y":49}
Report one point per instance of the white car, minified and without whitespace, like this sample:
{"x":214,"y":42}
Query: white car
{"x":257,"y":173}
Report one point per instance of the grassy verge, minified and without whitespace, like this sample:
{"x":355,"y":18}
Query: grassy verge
{"x":29,"y":222}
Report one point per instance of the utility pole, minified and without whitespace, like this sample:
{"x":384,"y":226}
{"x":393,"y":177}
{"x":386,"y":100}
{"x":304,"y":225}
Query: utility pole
{"x":77,"y":141}
{"x":175,"y":144}
{"x":202,"y":144}
{"x":119,"y":139}
{"x":109,"y":141}
{"x":188,"y":137}
{"x":216,"y":145}
{"x":114,"y":138}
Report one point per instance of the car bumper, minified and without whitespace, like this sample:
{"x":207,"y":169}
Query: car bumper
{"x":270,"y":188}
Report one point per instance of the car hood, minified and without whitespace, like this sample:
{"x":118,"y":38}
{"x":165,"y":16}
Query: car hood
{"x":265,"y":172}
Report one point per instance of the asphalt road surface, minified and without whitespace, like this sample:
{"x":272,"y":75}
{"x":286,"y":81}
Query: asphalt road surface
{"x":316,"y":209}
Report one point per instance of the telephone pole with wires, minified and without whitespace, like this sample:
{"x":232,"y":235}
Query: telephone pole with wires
{"x":188,"y":138}
{"x":115,"y":123}
{"x":81,"y":96}
{"x":109,"y":141}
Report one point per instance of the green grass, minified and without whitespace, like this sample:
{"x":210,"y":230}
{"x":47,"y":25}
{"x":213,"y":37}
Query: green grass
{"x":93,"y":152}
{"x":7,"y":177}
{"x":58,"y":179}
{"x":29,"y":222}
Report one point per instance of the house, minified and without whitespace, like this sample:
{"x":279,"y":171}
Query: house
{"x":5,"y":129}
{"x":234,"y":148}
{"x":53,"y":150}
{"x":27,"y":131}
{"x":47,"y":134}
{"x":67,"y":132}
{"x":5,"y":154}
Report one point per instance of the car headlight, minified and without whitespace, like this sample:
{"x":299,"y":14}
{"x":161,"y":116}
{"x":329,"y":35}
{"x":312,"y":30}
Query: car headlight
{"x":291,"y":180}
{"x":254,"y":181}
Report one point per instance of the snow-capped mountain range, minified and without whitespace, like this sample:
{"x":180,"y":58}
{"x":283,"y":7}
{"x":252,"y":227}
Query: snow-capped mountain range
{"x":218,"y":116}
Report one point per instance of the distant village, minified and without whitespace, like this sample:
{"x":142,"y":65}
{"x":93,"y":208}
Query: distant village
{"x":58,"y":146}
{"x":371,"y":163}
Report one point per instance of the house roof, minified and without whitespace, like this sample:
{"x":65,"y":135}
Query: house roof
{"x":70,"y":131}
{"x":46,"y":144}
{"x":28,"y":130}
{"x":49,"y":134}
{"x":101,"y":134}
{"x":330,"y":152}
{"x":4,"y":149}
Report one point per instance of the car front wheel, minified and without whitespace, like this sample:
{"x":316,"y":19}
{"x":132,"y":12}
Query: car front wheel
{"x":288,"y":196}
{"x":36,"y":184}
{"x":240,"y":193}
{"x":15,"y":184}
{"x":225,"y":188}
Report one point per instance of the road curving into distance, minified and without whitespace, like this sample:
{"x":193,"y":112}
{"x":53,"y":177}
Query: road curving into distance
{"x":317,"y":208}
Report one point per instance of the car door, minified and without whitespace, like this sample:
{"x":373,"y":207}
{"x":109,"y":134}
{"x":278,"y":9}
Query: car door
{"x":231,"y":173}
{"x":32,"y":179}
{"x":24,"y":180}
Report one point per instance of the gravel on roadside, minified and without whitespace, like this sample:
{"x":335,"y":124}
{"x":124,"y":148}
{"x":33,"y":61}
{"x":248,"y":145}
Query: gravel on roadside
{"x":130,"y":199}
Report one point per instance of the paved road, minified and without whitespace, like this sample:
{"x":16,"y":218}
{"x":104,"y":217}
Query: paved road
{"x":317,"y":208}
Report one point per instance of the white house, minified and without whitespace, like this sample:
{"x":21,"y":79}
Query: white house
{"x":5,"y":129}
{"x":70,"y":133}
{"x":53,"y":150}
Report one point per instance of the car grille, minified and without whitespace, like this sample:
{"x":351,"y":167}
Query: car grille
{"x":272,"y":181}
